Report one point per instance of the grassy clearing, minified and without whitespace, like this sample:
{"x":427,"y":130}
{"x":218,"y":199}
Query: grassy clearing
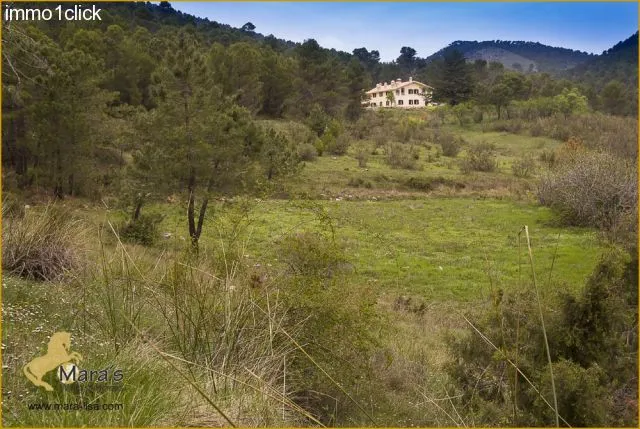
{"x":444,"y":249}
{"x":342,"y":176}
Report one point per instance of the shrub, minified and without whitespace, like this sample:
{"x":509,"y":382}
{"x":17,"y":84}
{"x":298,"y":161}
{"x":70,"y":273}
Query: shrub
{"x":317,"y":120}
{"x":619,"y":135}
{"x":297,"y":132}
{"x":536,"y":129}
{"x":548,"y":157}
{"x":583,"y":398}
{"x":478,"y":116}
{"x":507,"y":126}
{"x":398,"y":155}
{"x":429,"y":183}
{"x":380,"y":137}
{"x":12,"y":206}
{"x":336,"y":319}
{"x":462,"y":112}
{"x":43,"y":245}
{"x":362,"y":155}
{"x":358,"y":182}
{"x":593,"y":189}
{"x":408,"y":129}
{"x":524,"y":167}
{"x":338,"y":145}
{"x":480,"y":157}
{"x":334,"y":139}
{"x":308,"y":152}
{"x":143,"y":230}
{"x":450,"y":144}
{"x":593,"y":343}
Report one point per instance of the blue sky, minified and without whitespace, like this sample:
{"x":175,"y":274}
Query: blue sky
{"x":427,"y":27}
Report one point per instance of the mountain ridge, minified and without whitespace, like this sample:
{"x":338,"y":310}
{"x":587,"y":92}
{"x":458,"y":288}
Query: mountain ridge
{"x":536,"y":56}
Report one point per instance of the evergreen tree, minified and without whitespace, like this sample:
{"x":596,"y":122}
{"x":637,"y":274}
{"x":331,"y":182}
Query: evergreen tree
{"x":196,"y":141}
{"x":455,"y":83}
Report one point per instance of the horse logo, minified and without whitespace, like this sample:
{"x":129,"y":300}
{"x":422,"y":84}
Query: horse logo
{"x":57,"y":354}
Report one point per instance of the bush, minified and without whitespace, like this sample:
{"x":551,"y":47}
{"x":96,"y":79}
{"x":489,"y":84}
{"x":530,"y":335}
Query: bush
{"x":506,"y":126}
{"x":548,"y":157}
{"x":143,"y":230}
{"x":338,"y":145}
{"x":362,"y":155}
{"x":429,"y":183}
{"x":308,"y":152}
{"x":358,"y":182}
{"x":524,"y":167}
{"x":317,"y":120}
{"x":618,"y":135}
{"x":593,"y":189}
{"x":583,"y":399}
{"x":12,"y":206}
{"x":478,"y":116}
{"x":43,"y":245}
{"x":480,"y":157}
{"x":398,"y":155}
{"x":336,"y":319}
{"x":536,"y":129}
{"x":450,"y":144}
{"x":593,"y":345}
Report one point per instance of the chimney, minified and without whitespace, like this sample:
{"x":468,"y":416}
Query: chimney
{"x":410,"y":79}
{"x":399,"y":80}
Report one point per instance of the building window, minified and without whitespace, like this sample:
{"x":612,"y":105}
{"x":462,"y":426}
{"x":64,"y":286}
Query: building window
{"x":416,"y":102}
{"x":397,"y":92}
{"x":374,"y":95}
{"x":402,"y":91}
{"x":380,"y":94}
{"x":387,"y":103}
{"x":400,"y":102}
{"x":410,"y":102}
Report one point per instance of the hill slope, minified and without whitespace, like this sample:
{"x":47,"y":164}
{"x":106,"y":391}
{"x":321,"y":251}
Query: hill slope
{"x":519,"y":55}
{"x":618,"y":63}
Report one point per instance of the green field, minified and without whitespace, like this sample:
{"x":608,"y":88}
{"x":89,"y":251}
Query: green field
{"x":437,"y":248}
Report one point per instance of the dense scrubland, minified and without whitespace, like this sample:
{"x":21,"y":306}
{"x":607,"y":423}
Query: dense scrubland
{"x":211,"y":211}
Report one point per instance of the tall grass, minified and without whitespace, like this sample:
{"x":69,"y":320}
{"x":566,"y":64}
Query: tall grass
{"x":244,"y":338}
{"x":45,"y":244}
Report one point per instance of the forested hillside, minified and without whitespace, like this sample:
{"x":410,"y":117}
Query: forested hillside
{"x":213,"y":213}
{"x":117,"y":62}
{"x":519,"y":55}
{"x":613,"y":75}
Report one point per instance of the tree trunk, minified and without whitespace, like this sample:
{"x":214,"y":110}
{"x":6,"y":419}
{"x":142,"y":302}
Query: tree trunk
{"x":71,"y":184}
{"x":58,"y":190}
{"x":136,"y":212}
{"x":203,"y":210}
{"x":191,"y":211}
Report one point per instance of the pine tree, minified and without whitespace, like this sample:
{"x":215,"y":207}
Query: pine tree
{"x":455,"y":83}
{"x":196,"y":141}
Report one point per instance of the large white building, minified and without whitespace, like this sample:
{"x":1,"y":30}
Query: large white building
{"x":404,"y":95}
